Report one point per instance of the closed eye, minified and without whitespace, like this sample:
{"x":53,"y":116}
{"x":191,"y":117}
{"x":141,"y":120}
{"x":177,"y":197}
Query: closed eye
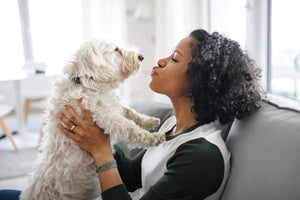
{"x":174,"y":59}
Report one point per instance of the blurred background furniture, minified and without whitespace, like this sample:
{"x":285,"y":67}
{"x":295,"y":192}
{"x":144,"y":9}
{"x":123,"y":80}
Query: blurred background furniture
{"x":38,"y":97}
{"x":35,"y":93}
{"x":5,"y":109}
{"x":29,"y":87}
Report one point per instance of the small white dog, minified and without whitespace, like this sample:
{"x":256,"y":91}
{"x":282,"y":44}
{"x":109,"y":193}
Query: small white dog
{"x":64,"y":170}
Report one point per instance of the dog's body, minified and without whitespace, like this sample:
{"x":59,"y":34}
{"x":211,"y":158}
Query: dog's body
{"x":64,"y":170}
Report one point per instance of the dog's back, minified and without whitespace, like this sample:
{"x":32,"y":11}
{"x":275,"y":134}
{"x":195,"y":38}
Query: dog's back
{"x":63,"y":170}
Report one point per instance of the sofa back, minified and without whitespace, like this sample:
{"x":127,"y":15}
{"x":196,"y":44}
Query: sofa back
{"x":265,"y":150}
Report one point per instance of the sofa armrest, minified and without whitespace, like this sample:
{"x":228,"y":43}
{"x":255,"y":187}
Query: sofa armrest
{"x":265,"y":150}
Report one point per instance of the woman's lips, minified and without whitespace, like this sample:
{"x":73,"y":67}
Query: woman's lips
{"x":153,"y":72}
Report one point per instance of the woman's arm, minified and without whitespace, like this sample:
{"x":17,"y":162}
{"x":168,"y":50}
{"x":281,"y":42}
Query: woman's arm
{"x":92,"y":139}
{"x":129,"y":168}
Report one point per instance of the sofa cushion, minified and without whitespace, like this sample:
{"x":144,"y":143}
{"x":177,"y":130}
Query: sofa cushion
{"x":265,"y":150}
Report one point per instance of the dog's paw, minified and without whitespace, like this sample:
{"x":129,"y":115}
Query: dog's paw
{"x":151,"y":123}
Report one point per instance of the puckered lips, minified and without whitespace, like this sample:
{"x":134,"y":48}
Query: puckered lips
{"x":153,"y":72}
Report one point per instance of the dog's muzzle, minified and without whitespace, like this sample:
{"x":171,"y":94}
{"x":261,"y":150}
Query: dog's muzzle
{"x":140,"y":57}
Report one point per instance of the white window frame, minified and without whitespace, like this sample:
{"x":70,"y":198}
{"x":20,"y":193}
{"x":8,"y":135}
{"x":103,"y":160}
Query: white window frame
{"x":26,"y":32}
{"x":258,"y":35}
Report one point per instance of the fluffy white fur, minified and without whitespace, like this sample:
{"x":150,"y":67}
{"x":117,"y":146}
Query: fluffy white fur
{"x":64,"y":170}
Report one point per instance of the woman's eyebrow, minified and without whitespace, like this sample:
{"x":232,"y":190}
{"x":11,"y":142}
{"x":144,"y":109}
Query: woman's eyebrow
{"x":176,"y":51}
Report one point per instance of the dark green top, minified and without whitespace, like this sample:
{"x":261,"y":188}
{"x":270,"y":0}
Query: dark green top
{"x":194,"y":172}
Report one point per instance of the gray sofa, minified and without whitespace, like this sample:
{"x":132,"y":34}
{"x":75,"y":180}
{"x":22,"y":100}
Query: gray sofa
{"x":265,"y":150}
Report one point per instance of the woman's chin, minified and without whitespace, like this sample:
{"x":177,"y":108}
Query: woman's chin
{"x":153,"y":87}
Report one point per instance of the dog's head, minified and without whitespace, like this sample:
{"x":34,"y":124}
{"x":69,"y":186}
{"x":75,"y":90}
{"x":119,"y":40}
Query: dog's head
{"x":97,"y":64}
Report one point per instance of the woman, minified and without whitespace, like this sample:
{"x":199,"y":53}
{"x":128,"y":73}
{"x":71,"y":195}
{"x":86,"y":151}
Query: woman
{"x":207,"y":77}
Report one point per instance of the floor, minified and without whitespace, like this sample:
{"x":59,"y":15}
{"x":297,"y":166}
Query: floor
{"x":32,"y":134}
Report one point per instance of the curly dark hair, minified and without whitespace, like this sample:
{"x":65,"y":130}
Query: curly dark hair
{"x":224,"y":81}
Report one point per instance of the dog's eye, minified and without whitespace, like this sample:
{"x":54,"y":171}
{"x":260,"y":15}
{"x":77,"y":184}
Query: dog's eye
{"x":116,"y":49}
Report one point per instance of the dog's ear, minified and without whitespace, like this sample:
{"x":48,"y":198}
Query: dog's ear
{"x":71,"y":68}
{"x":85,"y":62}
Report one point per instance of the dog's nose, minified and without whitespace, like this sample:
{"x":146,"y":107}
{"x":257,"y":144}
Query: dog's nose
{"x":140,"y":57}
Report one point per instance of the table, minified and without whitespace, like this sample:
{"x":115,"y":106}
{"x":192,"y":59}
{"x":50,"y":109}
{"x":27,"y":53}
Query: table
{"x":16,"y":76}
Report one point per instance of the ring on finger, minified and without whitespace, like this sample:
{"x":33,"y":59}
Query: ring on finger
{"x":73,"y":127}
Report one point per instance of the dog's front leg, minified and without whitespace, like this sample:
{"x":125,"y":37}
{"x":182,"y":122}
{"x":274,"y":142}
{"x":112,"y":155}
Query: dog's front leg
{"x":142,"y":120}
{"x":123,"y":129}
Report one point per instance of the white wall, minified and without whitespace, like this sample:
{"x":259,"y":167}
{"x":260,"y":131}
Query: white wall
{"x":172,"y":23}
{"x":140,"y":32}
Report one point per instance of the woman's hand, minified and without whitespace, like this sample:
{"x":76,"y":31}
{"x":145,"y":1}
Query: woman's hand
{"x":85,"y":132}
{"x":91,"y":138}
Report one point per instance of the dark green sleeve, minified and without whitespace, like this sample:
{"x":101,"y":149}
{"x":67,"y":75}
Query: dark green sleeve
{"x":130,"y":172}
{"x":195,"y":171}
{"x":118,"y":192}
{"x":129,"y":169}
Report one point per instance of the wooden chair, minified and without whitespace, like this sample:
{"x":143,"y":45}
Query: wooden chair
{"x":28,"y":102}
{"x":36,"y":90}
{"x":5,"y":109}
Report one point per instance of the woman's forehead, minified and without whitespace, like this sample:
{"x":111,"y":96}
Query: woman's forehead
{"x":184,"y":46}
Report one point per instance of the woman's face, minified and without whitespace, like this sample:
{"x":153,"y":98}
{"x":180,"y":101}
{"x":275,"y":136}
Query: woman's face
{"x":170,"y":77}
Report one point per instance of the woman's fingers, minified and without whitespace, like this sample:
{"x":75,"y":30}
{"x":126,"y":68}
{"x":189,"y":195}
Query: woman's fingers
{"x":86,"y":113}
{"x":68,"y":133}
{"x":66,"y":121}
{"x":73,"y":128}
{"x":74,"y":117}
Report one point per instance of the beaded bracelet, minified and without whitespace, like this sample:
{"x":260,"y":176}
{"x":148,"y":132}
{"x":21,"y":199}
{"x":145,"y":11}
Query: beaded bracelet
{"x":107,"y":166}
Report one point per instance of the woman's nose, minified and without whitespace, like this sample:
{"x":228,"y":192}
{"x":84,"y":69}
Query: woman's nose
{"x":162,"y":62}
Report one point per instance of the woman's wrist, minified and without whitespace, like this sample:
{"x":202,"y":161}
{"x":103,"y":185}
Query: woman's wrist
{"x":102,"y":160}
{"x":109,"y":177}
{"x":107,"y":166}
{"x":103,"y":156}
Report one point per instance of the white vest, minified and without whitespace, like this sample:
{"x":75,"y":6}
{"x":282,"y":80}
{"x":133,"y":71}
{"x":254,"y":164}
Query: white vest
{"x":155,"y":159}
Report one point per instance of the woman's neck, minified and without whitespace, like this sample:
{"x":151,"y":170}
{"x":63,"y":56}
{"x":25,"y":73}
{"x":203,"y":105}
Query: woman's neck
{"x":185,"y":118}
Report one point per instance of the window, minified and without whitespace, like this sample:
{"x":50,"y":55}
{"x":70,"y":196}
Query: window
{"x":105,"y":19}
{"x":49,"y":31}
{"x":229,"y":18}
{"x":11,"y":49}
{"x":56,"y":29}
{"x":285,"y":48}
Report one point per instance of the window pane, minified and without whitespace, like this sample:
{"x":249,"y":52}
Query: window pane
{"x":105,"y":19}
{"x":11,"y":49}
{"x":56,"y":30}
{"x":285,"y":48}
{"x":114,"y":23}
{"x":229,"y":17}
